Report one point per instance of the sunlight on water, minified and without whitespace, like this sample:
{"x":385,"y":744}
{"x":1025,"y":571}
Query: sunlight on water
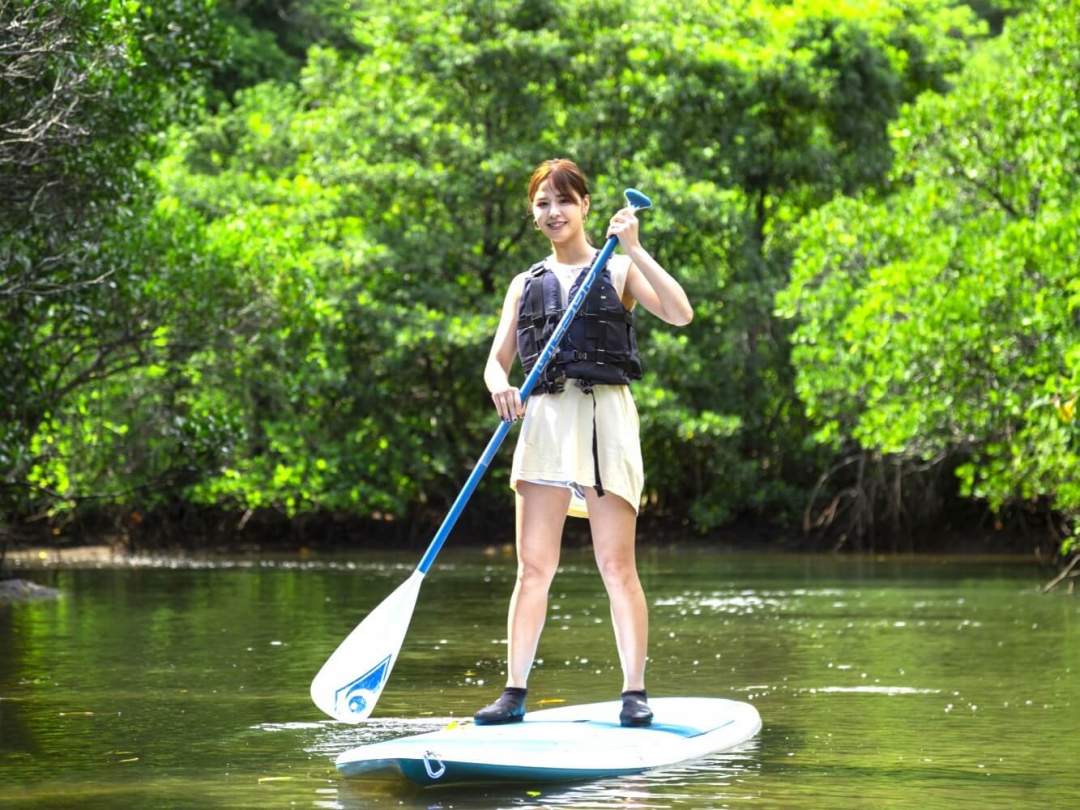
{"x":739,"y":604}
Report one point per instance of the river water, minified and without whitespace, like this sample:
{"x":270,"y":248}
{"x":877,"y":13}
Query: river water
{"x":881,"y":682}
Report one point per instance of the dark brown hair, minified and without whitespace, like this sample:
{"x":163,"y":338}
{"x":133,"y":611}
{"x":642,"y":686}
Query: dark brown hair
{"x":565,"y":176}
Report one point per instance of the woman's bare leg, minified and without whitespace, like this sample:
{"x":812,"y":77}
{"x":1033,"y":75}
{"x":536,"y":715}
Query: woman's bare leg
{"x":613,"y":523}
{"x":541,"y":515}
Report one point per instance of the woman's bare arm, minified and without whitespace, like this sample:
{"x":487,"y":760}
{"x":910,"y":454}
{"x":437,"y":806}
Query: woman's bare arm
{"x":506,"y":397}
{"x":646,"y":280}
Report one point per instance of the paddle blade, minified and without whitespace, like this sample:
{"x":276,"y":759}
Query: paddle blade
{"x":636,"y":199}
{"x":350,"y":682}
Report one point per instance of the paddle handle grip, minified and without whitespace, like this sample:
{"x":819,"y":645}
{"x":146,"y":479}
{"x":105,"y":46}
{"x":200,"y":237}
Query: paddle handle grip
{"x":636,"y":200}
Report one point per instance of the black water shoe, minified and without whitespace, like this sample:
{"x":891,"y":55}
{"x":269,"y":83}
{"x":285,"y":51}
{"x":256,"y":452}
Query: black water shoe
{"x":509,"y":708}
{"x":635,"y":708}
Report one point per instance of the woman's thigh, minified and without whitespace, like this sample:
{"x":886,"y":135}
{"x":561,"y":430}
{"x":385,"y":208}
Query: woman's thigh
{"x":613,"y":525}
{"x":541,"y":515}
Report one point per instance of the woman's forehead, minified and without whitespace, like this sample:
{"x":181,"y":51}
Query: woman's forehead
{"x":548,"y":189}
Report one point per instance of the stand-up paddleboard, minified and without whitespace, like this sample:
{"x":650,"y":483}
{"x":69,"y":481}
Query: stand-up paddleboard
{"x":564,"y":744}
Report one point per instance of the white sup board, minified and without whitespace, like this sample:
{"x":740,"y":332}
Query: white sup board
{"x":563,"y":744}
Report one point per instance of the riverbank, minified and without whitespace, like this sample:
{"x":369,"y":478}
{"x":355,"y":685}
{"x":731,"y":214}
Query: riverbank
{"x":46,"y":557}
{"x":164,"y":531}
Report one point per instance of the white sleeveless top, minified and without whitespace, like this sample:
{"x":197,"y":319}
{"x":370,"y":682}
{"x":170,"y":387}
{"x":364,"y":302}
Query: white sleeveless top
{"x":618,"y":267}
{"x":554,"y":446}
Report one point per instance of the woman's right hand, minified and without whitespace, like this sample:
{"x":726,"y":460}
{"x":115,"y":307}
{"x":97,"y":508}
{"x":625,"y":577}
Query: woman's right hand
{"x":508,"y":403}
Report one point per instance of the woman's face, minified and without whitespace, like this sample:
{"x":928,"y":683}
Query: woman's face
{"x":558,"y":214}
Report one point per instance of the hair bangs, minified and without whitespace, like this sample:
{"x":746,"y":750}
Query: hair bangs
{"x":565,"y":178}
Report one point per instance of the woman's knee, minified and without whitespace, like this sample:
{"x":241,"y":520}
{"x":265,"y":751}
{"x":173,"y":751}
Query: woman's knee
{"x":619,"y":571}
{"x":536,"y":572}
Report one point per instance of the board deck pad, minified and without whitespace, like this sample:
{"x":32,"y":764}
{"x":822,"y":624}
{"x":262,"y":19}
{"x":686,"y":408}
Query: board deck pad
{"x":563,"y":744}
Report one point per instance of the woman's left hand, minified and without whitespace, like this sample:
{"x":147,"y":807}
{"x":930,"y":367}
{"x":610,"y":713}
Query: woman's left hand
{"x":624,"y":225}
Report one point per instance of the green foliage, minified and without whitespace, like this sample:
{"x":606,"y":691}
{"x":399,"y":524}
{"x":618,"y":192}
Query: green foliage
{"x":321,"y":257}
{"x":268,"y":39}
{"x":375,"y":211}
{"x":940,"y":324}
{"x":91,"y":271}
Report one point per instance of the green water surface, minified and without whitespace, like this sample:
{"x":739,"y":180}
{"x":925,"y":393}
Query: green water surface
{"x":881,"y":682}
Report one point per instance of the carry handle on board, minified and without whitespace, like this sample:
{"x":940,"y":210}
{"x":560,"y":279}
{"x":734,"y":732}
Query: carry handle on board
{"x":350,"y":682}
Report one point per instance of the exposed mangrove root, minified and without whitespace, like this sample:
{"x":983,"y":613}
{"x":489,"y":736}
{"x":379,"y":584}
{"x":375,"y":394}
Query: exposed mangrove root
{"x":1067,"y":573}
{"x":870,"y":494}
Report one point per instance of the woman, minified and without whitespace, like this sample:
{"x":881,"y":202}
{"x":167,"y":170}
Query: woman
{"x":578,"y":452}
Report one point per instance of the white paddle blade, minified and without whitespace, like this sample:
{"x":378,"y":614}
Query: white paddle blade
{"x":350,"y":682}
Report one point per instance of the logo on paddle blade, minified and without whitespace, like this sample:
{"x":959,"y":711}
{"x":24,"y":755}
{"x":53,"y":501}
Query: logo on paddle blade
{"x":355,"y":697}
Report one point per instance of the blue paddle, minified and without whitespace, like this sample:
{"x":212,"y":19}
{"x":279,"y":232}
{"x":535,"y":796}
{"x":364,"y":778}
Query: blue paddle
{"x":350,"y":682}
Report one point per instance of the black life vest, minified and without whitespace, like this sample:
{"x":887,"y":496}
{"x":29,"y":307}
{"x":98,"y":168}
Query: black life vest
{"x":599,"y":347}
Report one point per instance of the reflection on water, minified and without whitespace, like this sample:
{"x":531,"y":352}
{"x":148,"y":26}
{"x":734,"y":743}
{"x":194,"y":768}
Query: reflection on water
{"x":714,"y":781}
{"x":881,"y":683}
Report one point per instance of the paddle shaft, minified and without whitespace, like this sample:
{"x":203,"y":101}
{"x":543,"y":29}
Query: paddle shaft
{"x":526,"y":389}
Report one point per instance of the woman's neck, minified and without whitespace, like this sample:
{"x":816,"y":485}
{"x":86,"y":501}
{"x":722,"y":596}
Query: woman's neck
{"x":573,"y":251}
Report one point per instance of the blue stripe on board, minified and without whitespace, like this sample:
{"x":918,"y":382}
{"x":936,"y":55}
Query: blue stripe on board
{"x":687,"y":732}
